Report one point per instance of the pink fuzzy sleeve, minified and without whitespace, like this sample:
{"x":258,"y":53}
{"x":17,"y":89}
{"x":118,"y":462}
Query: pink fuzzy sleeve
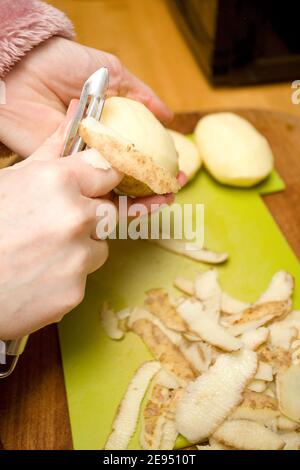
{"x":26,"y":23}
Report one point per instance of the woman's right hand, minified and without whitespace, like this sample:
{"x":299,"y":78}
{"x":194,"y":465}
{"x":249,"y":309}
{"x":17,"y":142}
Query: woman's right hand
{"x":48,"y":244}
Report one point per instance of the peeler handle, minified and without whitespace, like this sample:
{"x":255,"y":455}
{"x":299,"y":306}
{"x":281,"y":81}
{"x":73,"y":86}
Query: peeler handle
{"x":10,"y":352}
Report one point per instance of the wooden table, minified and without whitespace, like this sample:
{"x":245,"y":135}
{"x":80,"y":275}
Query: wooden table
{"x":143,"y":34}
{"x":33,"y":409}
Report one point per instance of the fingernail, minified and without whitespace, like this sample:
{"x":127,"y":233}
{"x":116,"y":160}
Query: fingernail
{"x":72,"y":108}
{"x":182,"y":178}
{"x":94,"y":158}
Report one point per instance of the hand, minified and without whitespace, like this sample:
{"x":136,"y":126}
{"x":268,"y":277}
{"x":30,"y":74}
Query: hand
{"x":47,"y":242}
{"x":41,"y":86}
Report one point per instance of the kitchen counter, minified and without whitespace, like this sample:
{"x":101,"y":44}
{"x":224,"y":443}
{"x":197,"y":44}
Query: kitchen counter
{"x":143,"y":34}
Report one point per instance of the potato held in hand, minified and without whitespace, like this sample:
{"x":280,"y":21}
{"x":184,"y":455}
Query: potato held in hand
{"x":134,"y":142}
{"x":233,"y":151}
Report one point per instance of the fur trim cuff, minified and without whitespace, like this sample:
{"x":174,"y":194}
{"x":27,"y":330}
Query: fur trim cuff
{"x":26,"y":23}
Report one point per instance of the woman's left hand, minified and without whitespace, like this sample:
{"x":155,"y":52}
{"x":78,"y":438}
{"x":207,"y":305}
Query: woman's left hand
{"x":40,"y":87}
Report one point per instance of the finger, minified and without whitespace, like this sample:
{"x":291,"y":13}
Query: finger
{"x":151,"y":200}
{"x":93,"y":182}
{"x":98,"y":254}
{"x":20,"y":132}
{"x":106,"y":218}
{"x":154,"y":202}
{"x":124,"y":83}
{"x":182,"y":178}
{"x":132,"y":87}
{"x":151,"y":203}
{"x":53,"y":146}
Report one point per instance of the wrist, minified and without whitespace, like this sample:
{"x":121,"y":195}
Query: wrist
{"x":24,"y":25}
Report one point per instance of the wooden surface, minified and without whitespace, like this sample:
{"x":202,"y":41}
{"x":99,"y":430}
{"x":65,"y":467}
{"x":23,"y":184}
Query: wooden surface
{"x":33,"y":410}
{"x":144,"y":35}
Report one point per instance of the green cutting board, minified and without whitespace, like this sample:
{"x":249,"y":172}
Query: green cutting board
{"x":97,"y":370}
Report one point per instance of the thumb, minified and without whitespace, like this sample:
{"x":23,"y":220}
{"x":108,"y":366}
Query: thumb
{"x":94,"y":181}
{"x":53,"y":146}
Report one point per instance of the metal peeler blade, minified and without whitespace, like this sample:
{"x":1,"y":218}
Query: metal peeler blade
{"x":91,"y":104}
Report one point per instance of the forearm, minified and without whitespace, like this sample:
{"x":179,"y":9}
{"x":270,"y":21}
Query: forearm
{"x":23,"y":25}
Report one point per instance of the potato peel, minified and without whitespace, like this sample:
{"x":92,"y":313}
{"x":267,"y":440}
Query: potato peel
{"x":280,"y":288}
{"x":259,"y":315}
{"x":281,"y":336}
{"x":198,"y":354}
{"x":204,"y":394}
{"x":153,"y":418}
{"x":123,"y":314}
{"x":232,"y":306}
{"x":209,"y":330}
{"x":126,"y":419}
{"x":290,"y":320}
{"x":214,"y":446}
{"x":209,"y":400}
{"x":258,"y":386}
{"x":164,"y":350}
{"x":169,"y":435}
{"x":286,"y":424}
{"x":208,"y":291}
{"x":206,"y":285}
{"x":264,"y":372}
{"x":277,"y":357}
{"x":288,"y":392}
{"x":139,"y":313}
{"x":254,"y":338}
{"x":202,"y":255}
{"x":291,"y":440}
{"x":159,"y":304}
{"x":158,"y":427}
{"x":257,"y":407}
{"x":184,"y":285}
{"x":170,"y":432}
{"x":296,"y":356}
{"x":248,"y":435}
{"x":110,"y":322}
{"x":167,"y":380}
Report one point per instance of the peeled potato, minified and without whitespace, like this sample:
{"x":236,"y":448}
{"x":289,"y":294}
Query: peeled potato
{"x":233,"y":151}
{"x":288,"y":391}
{"x":189,"y":158}
{"x":134,"y":142}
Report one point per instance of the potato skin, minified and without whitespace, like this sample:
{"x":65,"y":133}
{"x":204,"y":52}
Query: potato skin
{"x":134,"y":188}
{"x":142,"y":175}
